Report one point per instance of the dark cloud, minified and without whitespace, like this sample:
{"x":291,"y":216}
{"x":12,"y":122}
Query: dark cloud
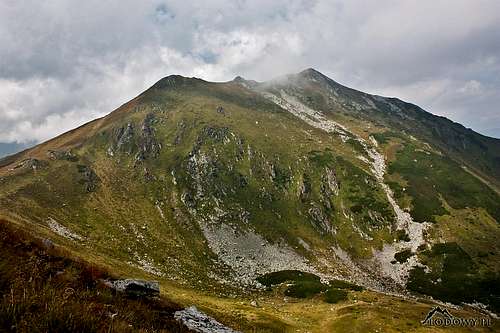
{"x":66,"y":62}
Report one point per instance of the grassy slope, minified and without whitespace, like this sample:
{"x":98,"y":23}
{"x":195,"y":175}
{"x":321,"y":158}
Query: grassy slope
{"x":479,"y":153}
{"x":124,"y":197}
{"x":431,"y":182}
{"x":465,"y":214}
{"x":119,"y":219}
{"x":77,"y":303}
{"x":42,"y":289}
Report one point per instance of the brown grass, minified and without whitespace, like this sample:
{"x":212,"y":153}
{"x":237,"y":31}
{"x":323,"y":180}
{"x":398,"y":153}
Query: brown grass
{"x":43,"y":290}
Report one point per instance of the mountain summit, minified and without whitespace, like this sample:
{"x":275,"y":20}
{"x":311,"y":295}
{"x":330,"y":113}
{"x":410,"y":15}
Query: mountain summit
{"x":229,"y":189}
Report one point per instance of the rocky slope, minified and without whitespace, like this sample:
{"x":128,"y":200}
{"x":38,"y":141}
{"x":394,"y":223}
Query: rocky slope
{"x":211,"y":185}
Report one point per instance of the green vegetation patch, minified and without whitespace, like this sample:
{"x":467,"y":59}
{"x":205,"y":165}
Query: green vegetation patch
{"x":363,"y":192}
{"x":403,"y":256}
{"x":339,"y":284}
{"x":306,"y":285}
{"x":384,"y":137}
{"x":454,"y":277}
{"x":322,"y":158}
{"x":431,"y":177}
{"x":276,"y":278}
{"x":402,"y":235}
{"x":305,"y":289}
{"x":358,"y":147}
{"x":333,"y":295}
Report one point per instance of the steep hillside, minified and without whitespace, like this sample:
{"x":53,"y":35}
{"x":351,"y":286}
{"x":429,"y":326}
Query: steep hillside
{"x":210,"y":187}
{"x":45,"y":291}
{"x":476,"y":151}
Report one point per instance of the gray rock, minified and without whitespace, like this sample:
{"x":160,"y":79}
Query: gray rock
{"x":320,"y":219}
{"x":137,"y":288}
{"x":62,"y":155}
{"x":149,"y":147}
{"x":89,"y":178}
{"x":330,"y":183}
{"x":123,"y":140}
{"x":124,"y":136}
{"x":304,"y":188}
{"x":197,"y":321}
{"x":31,"y":163}
{"x":47,"y":243}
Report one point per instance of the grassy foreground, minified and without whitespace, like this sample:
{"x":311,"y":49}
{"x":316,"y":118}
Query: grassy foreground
{"x":46,"y":288}
{"x":43,"y":290}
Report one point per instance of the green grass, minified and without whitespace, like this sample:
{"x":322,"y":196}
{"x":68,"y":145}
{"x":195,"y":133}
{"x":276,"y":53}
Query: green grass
{"x":358,"y":147}
{"x":339,"y":284}
{"x":431,"y":177}
{"x":402,"y":256}
{"x":279,"y":277}
{"x":333,"y":295}
{"x":307,"y":285}
{"x":364,"y":194}
{"x":454,"y":277}
{"x":305,"y":289}
{"x":385,"y":137}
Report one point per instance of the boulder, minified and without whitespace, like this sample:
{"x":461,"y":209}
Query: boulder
{"x":136,"y":288}
{"x":197,"y":321}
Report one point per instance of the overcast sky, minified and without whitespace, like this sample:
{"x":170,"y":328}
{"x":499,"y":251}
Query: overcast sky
{"x":63,"y":63}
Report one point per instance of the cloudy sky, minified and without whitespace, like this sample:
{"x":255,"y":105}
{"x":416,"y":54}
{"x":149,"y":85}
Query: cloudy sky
{"x":63,"y":63}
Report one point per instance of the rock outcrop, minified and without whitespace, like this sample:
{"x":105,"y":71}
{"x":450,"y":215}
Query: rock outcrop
{"x":135,"y":288}
{"x":88,"y":178}
{"x":197,"y":321}
{"x":31,"y":163}
{"x":149,"y":147}
{"x":62,"y":155}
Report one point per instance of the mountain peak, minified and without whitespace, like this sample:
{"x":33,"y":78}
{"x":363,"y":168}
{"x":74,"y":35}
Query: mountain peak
{"x":313,"y":75}
{"x":244,"y":82}
{"x":311,"y":71}
{"x":176,"y":80}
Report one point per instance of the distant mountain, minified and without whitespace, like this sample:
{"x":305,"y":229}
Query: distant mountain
{"x":12,"y":148}
{"x":208,"y":186}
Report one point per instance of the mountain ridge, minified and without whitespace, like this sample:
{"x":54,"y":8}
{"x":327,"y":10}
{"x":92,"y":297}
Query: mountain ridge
{"x":311,"y":72}
{"x":208,"y":187}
